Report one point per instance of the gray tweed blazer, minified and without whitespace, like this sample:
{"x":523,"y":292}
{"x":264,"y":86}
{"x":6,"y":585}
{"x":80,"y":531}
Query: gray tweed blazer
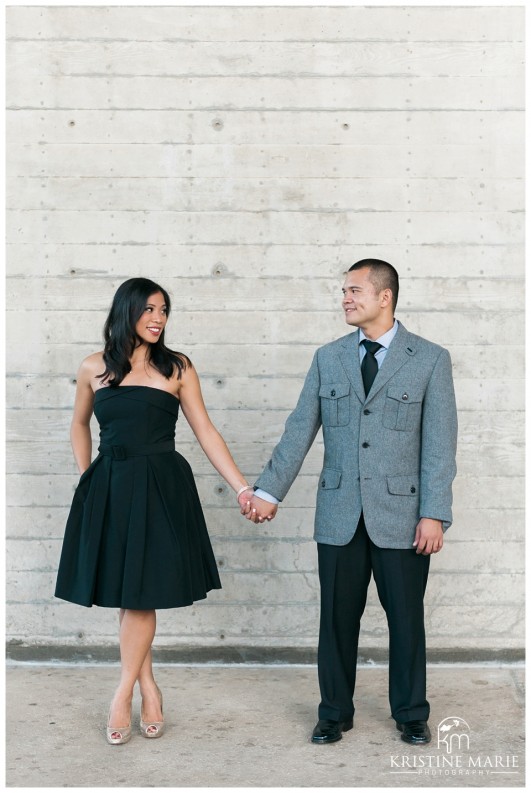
{"x":391,"y":454}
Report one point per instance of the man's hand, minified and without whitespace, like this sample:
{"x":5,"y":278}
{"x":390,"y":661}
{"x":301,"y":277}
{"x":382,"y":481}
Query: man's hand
{"x":259,"y":510}
{"x":428,"y":536}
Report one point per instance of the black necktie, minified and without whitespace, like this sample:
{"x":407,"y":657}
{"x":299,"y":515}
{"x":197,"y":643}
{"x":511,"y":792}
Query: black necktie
{"x":369,"y":365}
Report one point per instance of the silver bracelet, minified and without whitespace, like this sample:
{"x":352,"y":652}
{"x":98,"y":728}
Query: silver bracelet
{"x":242,"y":489}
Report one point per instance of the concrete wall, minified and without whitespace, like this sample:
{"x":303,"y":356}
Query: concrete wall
{"x":245,"y":157}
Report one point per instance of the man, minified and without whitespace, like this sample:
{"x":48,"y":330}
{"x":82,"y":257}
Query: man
{"x":385,"y":400}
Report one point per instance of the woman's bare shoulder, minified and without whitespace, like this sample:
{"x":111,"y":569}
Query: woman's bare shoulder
{"x":92,"y":366}
{"x":183,"y":376}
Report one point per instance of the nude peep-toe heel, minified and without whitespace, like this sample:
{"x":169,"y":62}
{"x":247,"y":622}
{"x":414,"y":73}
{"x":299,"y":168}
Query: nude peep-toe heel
{"x":152,"y":729}
{"x":123,"y":733}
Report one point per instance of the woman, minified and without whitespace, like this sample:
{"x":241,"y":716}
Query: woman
{"x":136,"y":538}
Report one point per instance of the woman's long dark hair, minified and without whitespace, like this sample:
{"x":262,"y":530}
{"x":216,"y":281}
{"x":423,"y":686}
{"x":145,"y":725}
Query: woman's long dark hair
{"x":128,"y":305}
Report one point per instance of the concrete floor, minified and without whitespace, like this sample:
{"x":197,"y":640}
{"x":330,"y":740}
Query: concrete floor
{"x":242,"y":726}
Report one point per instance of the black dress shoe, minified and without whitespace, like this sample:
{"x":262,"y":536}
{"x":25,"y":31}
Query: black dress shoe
{"x":414,"y":731}
{"x":328,"y":731}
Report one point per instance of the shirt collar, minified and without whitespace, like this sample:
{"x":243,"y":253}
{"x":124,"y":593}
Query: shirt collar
{"x":387,"y":337}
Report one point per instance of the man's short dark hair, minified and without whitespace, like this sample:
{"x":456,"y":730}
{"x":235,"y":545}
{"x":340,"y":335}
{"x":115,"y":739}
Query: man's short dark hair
{"x":382,"y":275}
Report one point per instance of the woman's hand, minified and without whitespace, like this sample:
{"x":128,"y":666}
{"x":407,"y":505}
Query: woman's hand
{"x":244,"y":500}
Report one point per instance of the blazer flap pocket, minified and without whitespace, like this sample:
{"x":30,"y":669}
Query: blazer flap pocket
{"x":334,"y":390}
{"x":403,"y":485}
{"x":405,"y":394}
{"x":330,"y":479}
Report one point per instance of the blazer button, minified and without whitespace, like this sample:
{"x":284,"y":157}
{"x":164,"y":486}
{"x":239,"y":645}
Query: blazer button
{"x":365,"y":445}
{"x":405,"y":397}
{"x":323,"y":483}
{"x":413,"y":489}
{"x":366,"y":412}
{"x":332,"y":393}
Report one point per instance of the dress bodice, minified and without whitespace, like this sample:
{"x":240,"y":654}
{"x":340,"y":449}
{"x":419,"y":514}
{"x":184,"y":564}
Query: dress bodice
{"x":135,"y":414}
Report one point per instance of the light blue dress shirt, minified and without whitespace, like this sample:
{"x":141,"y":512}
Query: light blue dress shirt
{"x":385,"y":341}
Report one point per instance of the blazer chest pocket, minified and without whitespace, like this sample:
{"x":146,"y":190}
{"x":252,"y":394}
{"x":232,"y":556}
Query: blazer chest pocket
{"x":403,"y":408}
{"x":335,"y":407}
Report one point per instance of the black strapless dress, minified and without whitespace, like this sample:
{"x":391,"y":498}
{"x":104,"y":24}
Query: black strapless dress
{"x":136,"y":537}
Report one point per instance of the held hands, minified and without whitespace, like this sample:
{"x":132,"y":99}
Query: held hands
{"x":428,"y":536}
{"x":256,"y":509}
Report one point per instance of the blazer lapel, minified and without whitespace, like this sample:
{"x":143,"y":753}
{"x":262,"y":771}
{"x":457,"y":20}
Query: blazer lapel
{"x":400,"y":350}
{"x":350,"y":358}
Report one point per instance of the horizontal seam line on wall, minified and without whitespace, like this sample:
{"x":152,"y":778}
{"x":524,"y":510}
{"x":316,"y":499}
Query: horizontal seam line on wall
{"x":78,"y":275}
{"x":252,"y":75}
{"x":259,"y":108}
{"x":474,"y":309}
{"x":406,"y":244}
{"x":289,"y":179}
{"x":288,"y":110}
{"x":279,"y":41}
{"x":266,"y":211}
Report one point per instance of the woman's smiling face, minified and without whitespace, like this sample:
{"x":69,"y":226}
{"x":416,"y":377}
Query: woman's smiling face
{"x":153,"y":320}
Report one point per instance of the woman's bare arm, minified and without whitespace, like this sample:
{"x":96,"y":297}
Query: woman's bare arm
{"x":209,"y":438}
{"x":80,"y":436}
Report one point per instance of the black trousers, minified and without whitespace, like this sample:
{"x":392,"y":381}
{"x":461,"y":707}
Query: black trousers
{"x":400,"y":577}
